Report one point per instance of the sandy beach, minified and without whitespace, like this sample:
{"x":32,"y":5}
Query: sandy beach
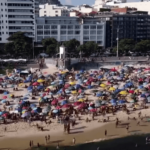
{"x":19,"y":134}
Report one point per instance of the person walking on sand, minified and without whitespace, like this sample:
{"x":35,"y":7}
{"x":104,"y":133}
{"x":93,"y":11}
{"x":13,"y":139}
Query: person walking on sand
{"x":127,"y":128}
{"x":138,"y":123}
{"x":30,"y":144}
{"x":74,"y":141}
{"x":105,"y":132}
{"x":48,"y":137}
{"x":57,"y":147}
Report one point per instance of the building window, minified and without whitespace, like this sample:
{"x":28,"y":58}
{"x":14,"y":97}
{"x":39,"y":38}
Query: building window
{"x":70,"y":26}
{"x":77,"y":32}
{"x":5,"y":15}
{"x":2,"y":27}
{"x":99,"y":42}
{"x":6,"y":32}
{"x":99,"y":27}
{"x":46,"y":32}
{"x":85,"y":32}
{"x":56,"y":11}
{"x":63,"y":38}
{"x":70,"y":32}
{"x":54,"y":32}
{"x":93,"y":27}
{"x":6,"y":21}
{"x":85,"y":38}
{"x":54,"y":27}
{"x":77,"y":27}
{"x":93,"y":38}
{"x":1,"y":9}
{"x":1,"y":4}
{"x":39,"y":27}
{"x":39,"y":32}
{"x":2,"y":15}
{"x":63,"y":32}
{"x":93,"y":32}
{"x":46,"y":27}
{"x":99,"y":32}
{"x":44,"y":11}
{"x":63,"y":27}
{"x":86,"y":27}
{"x":5,"y":9}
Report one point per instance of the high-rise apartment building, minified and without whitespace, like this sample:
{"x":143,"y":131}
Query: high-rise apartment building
{"x":17,"y":15}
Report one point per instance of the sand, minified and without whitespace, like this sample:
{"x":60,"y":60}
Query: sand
{"x":19,"y":134}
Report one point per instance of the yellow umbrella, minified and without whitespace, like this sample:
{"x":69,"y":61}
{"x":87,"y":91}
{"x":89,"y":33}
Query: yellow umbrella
{"x":40,"y":80}
{"x":74,"y":92}
{"x":81,"y":100}
{"x":111,"y":89}
{"x":21,"y":84}
{"x":103,"y":85}
{"x":72,"y":83}
{"x":123,"y":92}
{"x":63,"y":72}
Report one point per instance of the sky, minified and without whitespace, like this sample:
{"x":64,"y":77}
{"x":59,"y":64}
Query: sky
{"x":79,"y":2}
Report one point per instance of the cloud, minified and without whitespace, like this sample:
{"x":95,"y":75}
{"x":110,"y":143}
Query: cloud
{"x":68,"y":2}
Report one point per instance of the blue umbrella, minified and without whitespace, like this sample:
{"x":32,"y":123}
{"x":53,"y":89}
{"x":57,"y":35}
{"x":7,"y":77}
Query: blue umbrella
{"x":99,"y":94}
{"x":121,"y":102}
{"x":32,"y":105}
{"x":19,"y":109}
{"x":140,"y":87}
{"x":26,"y":81}
{"x":26,"y":114}
{"x":67,"y":91}
{"x":40,"y":87}
{"x":5,"y":93}
{"x":64,"y":102}
{"x":90,"y":108}
{"x":30,"y":88}
{"x":55,"y":111}
{"x":24,"y":98}
{"x":97,"y":104}
{"x":89,"y":86}
{"x":77,"y":86}
{"x":143,"y":95}
{"x":100,"y":77}
{"x":82,"y":71}
{"x":3,"y":101}
{"x":114,"y":104}
{"x":113,"y":101}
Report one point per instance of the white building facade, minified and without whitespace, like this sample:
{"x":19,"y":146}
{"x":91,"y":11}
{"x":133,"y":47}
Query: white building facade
{"x":53,"y":10}
{"x":17,"y":15}
{"x":67,"y":28}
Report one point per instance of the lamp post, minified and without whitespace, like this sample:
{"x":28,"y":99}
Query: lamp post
{"x":33,"y":46}
{"x":117,"y":41}
{"x":80,"y":55}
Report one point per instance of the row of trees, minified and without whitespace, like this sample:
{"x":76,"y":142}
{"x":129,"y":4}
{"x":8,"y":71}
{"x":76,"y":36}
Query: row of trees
{"x":126,"y":45}
{"x":73,"y":46}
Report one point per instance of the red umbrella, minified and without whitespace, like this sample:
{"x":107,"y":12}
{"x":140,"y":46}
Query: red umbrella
{"x":76,"y":103}
{"x":80,"y":91}
{"x":54,"y":102}
{"x":66,"y":106}
{"x":82,"y":105}
{"x":60,"y":98}
{"x":4,"y":97}
{"x":88,"y":82}
{"x":96,"y":72}
{"x":93,"y":110}
{"x":113,"y":69}
{"x":67,"y":85}
{"x":58,"y":107}
{"x":45,"y":72}
{"x":35,"y":84}
{"x":5,"y":115}
{"x":1,"y":79}
{"x":131,"y":91}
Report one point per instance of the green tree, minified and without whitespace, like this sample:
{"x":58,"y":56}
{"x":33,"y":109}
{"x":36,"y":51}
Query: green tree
{"x":72,"y":45}
{"x":143,"y":46}
{"x":18,"y":44}
{"x":125,"y":45}
{"x":50,"y":45}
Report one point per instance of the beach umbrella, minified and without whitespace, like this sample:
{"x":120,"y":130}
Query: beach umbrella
{"x":67,"y":91}
{"x":121,"y":102}
{"x":123,"y":92}
{"x":4,"y":97}
{"x":6,"y":93}
{"x":89,"y":108}
{"x":3,"y":101}
{"x":82,"y":105}
{"x":29,"y":88}
{"x":140,"y":87}
{"x":99,"y":94}
{"x":32,"y":105}
{"x":67,"y":85}
{"x":76,"y":103}
{"x":81,"y":100}
{"x":97,"y":104}
{"x":54,"y":102}
{"x":89,"y":86}
{"x":71,"y":88}
{"x":81,"y":96}
{"x":80,"y":91}
{"x":35,"y":84}
{"x":77,"y":86}
{"x":64,"y":102}
{"x":40,"y":87}
{"x":40,"y":80}
{"x":26,"y":114}
{"x":66,"y":106}
{"x":111,"y":89}
{"x":74,"y":92}
{"x":55,"y":111}
{"x":72,"y":83}
{"x":100,"y":77}
{"x":131,"y":91}
{"x":113,"y":101}
{"x":103,"y":85}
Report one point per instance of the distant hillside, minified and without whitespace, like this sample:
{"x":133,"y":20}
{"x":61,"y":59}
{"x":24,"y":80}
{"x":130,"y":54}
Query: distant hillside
{"x":55,"y":2}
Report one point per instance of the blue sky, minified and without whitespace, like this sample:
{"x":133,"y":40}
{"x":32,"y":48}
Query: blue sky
{"x":79,"y":2}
